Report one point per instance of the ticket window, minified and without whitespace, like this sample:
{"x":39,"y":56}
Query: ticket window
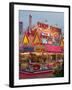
{"x":59,"y":56}
{"x":53,"y":57}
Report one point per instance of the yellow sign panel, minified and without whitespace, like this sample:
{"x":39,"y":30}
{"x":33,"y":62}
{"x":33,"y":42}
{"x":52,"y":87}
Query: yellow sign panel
{"x":36,"y":39}
{"x":25,"y":40}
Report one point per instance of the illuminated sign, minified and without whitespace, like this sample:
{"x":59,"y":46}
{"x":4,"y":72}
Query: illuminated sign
{"x":36,"y":39}
{"x":28,"y":49}
{"x":55,"y":49}
{"x":39,"y":48}
{"x":25,"y":40}
{"x":42,"y":25}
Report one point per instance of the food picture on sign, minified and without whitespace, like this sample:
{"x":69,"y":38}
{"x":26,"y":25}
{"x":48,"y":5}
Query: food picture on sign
{"x":41,"y":44}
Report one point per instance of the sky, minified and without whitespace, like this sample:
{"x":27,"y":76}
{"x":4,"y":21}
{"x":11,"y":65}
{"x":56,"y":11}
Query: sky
{"x":51,"y":18}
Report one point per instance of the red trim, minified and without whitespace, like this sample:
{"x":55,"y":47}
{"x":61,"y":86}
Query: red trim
{"x":23,"y":75}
